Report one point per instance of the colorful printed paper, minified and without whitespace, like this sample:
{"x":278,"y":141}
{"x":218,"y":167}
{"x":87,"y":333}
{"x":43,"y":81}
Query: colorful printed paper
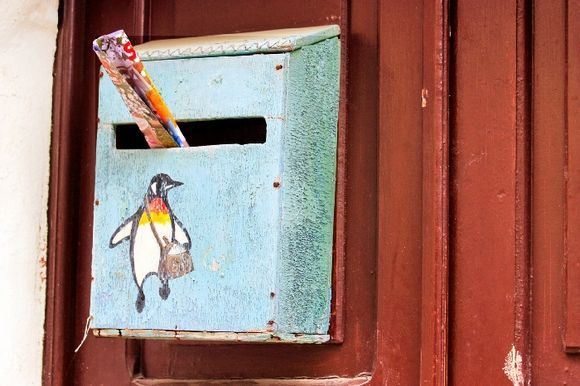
{"x":138,"y":90}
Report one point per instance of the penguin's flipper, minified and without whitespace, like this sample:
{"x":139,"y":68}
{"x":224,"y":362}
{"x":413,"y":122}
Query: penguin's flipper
{"x":122,"y":233}
{"x":181,"y":234}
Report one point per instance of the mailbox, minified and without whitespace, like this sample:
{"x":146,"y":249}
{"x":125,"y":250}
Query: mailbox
{"x":247,"y":211}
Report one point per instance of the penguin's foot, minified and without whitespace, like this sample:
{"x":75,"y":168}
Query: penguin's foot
{"x":140,"y":302}
{"x":164,"y":291}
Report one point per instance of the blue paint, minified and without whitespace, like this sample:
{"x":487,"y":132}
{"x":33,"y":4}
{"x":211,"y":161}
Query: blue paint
{"x":220,"y":231}
{"x":262,"y":253}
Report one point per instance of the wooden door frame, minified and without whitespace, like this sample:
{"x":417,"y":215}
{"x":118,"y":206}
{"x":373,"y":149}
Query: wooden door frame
{"x":423,"y":183}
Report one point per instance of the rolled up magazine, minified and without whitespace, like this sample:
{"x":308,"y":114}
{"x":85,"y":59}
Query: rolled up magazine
{"x":138,"y":91}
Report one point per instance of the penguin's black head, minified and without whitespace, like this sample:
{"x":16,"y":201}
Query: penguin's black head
{"x":160,"y":184}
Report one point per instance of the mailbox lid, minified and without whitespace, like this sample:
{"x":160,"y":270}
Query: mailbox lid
{"x":281,"y":40}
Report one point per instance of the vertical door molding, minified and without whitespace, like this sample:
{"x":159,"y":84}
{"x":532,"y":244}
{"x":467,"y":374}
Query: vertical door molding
{"x":572,"y":175}
{"x":399,"y":193}
{"x":62,"y":213}
{"x":435,"y":262}
{"x":490,"y":163}
{"x":523,"y":173}
{"x":555,"y":193}
{"x":413,"y":193}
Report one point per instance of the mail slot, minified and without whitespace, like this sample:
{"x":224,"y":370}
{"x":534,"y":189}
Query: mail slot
{"x":246,"y":213}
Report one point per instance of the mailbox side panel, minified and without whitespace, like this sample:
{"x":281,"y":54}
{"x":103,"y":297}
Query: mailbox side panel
{"x":308,"y":188}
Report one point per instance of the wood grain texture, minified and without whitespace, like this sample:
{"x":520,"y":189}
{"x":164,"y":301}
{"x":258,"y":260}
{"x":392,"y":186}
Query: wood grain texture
{"x":435,"y":246}
{"x":61,"y":214}
{"x":213,"y":336}
{"x":400,"y":187}
{"x":490,"y":195}
{"x":362,"y":379}
{"x":339,"y":247}
{"x":308,"y":186}
{"x":555,"y":194}
{"x":553,"y":227}
{"x":262,"y":251}
{"x":572,"y":251}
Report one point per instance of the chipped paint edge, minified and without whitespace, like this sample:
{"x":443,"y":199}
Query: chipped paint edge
{"x":512,"y":367}
{"x":333,"y":380}
{"x":248,"y":43}
{"x":208,"y":336}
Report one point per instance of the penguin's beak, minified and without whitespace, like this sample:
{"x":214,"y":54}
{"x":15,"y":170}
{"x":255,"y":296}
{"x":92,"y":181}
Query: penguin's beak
{"x":173,"y":184}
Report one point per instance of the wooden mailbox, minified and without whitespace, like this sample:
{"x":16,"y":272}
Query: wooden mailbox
{"x":256,"y":218}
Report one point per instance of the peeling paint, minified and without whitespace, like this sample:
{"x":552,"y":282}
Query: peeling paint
{"x":477,"y":158}
{"x":424,"y":96}
{"x":501,"y":195}
{"x":513,"y":367}
{"x":264,"y":336}
{"x":42,"y":275}
{"x":215,"y":266}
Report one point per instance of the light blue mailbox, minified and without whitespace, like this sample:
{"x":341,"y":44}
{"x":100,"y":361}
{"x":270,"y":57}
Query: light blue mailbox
{"x":256,"y":219}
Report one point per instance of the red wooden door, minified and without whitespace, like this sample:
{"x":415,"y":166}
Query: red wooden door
{"x":455,"y":241}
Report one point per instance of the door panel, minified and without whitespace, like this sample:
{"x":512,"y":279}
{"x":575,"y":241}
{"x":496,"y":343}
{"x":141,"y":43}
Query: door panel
{"x":555,"y":320}
{"x":455,"y":241}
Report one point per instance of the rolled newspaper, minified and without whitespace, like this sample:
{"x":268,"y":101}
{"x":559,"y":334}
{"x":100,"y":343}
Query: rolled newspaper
{"x":142,"y":98}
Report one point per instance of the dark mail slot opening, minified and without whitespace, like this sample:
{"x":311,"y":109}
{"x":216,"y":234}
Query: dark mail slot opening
{"x":240,"y":131}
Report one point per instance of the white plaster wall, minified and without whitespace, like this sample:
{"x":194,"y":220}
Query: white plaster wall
{"x":28,"y":36}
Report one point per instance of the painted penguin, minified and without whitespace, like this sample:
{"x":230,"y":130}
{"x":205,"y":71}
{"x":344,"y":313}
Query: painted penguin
{"x":149,"y":230}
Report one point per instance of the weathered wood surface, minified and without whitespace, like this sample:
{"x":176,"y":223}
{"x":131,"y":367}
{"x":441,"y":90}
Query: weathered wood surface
{"x":572,"y":180}
{"x":282,"y":40}
{"x":260,"y":216}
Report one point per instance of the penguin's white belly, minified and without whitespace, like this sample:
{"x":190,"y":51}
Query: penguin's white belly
{"x":146,"y":250}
